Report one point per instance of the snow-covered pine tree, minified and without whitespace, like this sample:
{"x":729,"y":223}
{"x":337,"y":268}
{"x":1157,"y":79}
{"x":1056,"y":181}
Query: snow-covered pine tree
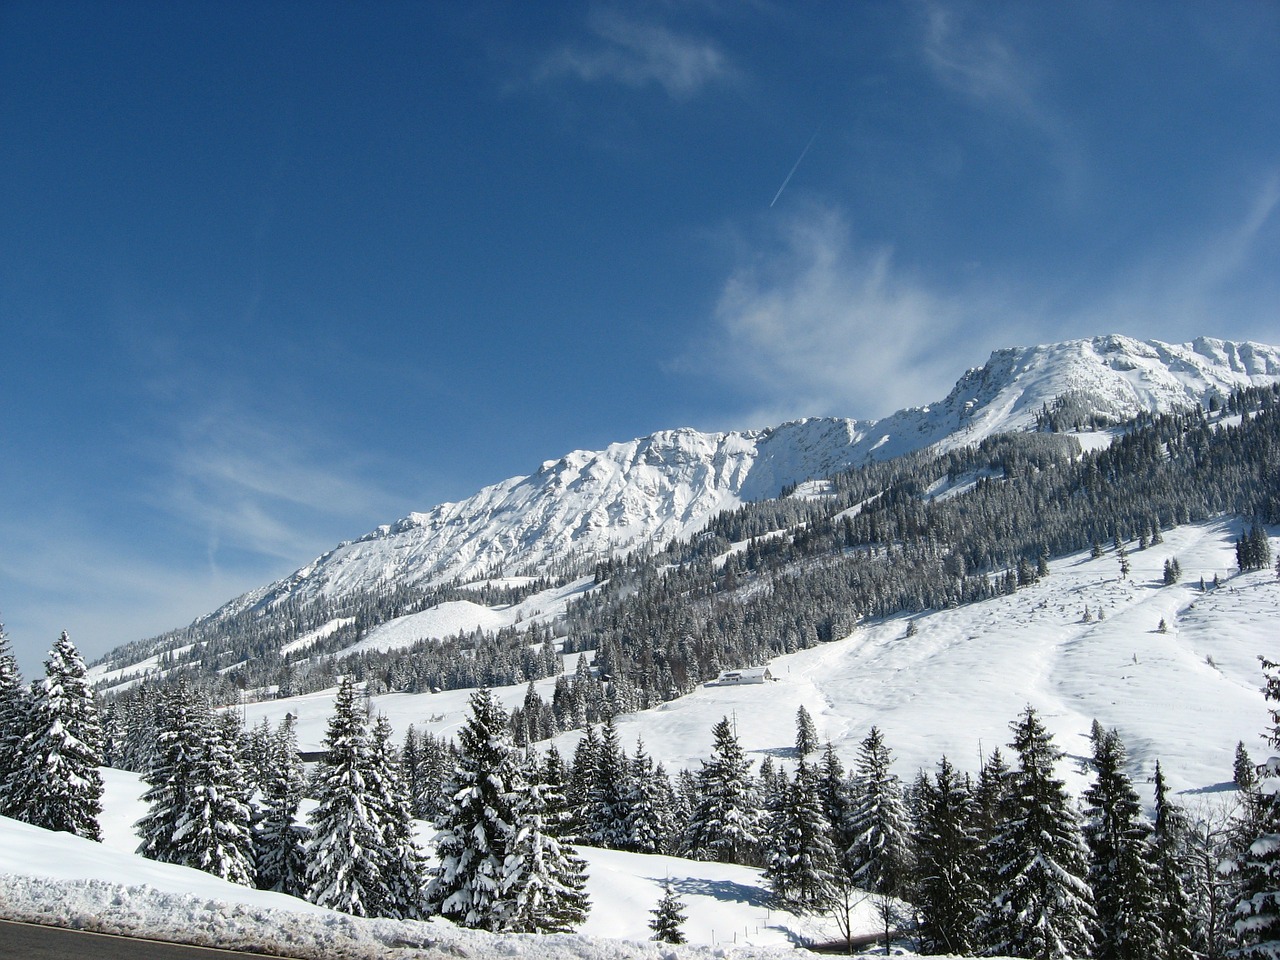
{"x":344,"y":855}
{"x":648,"y":804}
{"x":948,"y":891}
{"x":554,"y":777}
{"x":668,"y":917}
{"x":411,"y":768}
{"x":433,"y":772}
{"x":214,"y":831}
{"x":402,"y":864}
{"x":140,"y":744}
{"x":988,"y":794}
{"x":802,"y":856}
{"x":181,"y":725}
{"x":543,"y":880}
{"x":770,"y":785}
{"x":477,"y":831}
{"x":1257,"y":867}
{"x":56,"y":784}
{"x":607,"y":808}
{"x":15,"y":704}
{"x":725,"y":823}
{"x":255,"y":754}
{"x":833,"y":788}
{"x":582,"y":783}
{"x":806,"y":733}
{"x":1120,"y":858}
{"x":1244,"y":772}
{"x":1041,"y":905}
{"x":279,"y":840}
{"x":879,"y":850}
{"x":1174,"y":917}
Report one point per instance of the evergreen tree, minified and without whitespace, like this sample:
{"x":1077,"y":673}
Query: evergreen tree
{"x":1120,"y":859}
{"x":877,"y":822}
{"x":1257,"y":867}
{"x":948,"y":891}
{"x":802,"y":857}
{"x":344,"y":855}
{"x":648,"y":803}
{"x":182,"y":724}
{"x":543,"y":879}
{"x":582,"y":782}
{"x":607,"y":809}
{"x":1041,"y":905}
{"x":834,"y":792}
{"x":1253,"y":550}
{"x":477,"y":831}
{"x":806,"y":733}
{"x":15,"y":705}
{"x":1174,"y":920}
{"x":725,"y":822}
{"x":554,"y":777}
{"x":402,"y":864}
{"x":989,"y":794}
{"x":55,"y":783}
{"x":668,"y":916}
{"x":1244,"y":772}
{"x":198,"y":812}
{"x":279,"y":840}
{"x":214,"y":833}
{"x":432,"y":772}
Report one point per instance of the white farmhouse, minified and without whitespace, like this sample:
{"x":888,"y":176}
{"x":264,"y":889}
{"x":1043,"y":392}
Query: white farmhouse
{"x":748,"y":675}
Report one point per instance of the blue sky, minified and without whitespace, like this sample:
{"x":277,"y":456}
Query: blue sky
{"x":273,"y":273}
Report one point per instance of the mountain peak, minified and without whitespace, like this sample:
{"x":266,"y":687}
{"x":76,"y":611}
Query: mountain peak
{"x":647,"y":491}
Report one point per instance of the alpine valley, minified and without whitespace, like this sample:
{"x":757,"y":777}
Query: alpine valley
{"x":517,"y":551}
{"x":1080,"y":532}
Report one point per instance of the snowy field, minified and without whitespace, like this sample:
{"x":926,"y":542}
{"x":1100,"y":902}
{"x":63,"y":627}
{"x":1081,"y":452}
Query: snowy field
{"x":1184,"y":697}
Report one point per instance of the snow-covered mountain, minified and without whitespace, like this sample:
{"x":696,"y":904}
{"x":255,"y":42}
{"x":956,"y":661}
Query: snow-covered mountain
{"x":648,"y":491}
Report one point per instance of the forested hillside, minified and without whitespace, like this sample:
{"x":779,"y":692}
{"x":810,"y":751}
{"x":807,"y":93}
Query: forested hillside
{"x":925,"y":531}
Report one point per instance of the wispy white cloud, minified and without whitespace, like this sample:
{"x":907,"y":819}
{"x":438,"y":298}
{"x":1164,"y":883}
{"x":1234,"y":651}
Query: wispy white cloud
{"x":104,"y":590}
{"x":265,"y":490}
{"x":825,"y":325}
{"x":637,"y":54}
{"x":232,"y":504}
{"x":990,"y":72}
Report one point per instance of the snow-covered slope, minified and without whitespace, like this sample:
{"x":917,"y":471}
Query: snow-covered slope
{"x":653,"y":489}
{"x":1184,"y":697}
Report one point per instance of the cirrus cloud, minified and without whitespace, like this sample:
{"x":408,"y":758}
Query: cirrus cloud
{"x":825,"y":325}
{"x":637,"y":54}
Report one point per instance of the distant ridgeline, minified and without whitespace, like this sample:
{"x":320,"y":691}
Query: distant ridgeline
{"x":923,"y":531}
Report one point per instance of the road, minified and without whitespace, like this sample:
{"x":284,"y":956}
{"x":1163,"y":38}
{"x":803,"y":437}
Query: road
{"x":25,"y":941}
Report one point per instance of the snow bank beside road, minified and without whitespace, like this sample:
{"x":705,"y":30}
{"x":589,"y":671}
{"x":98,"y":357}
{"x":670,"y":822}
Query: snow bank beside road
{"x":141,"y":911}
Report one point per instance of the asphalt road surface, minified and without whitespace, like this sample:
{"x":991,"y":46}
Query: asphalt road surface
{"x":25,"y":941}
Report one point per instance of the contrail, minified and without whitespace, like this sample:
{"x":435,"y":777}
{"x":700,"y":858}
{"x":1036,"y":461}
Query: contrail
{"x":794,"y":167}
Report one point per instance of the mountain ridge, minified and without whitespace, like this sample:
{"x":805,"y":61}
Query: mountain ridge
{"x":643,"y":493}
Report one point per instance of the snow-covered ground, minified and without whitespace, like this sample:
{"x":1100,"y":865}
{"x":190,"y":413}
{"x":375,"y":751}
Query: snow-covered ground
{"x":66,"y":881}
{"x":1184,"y":697}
